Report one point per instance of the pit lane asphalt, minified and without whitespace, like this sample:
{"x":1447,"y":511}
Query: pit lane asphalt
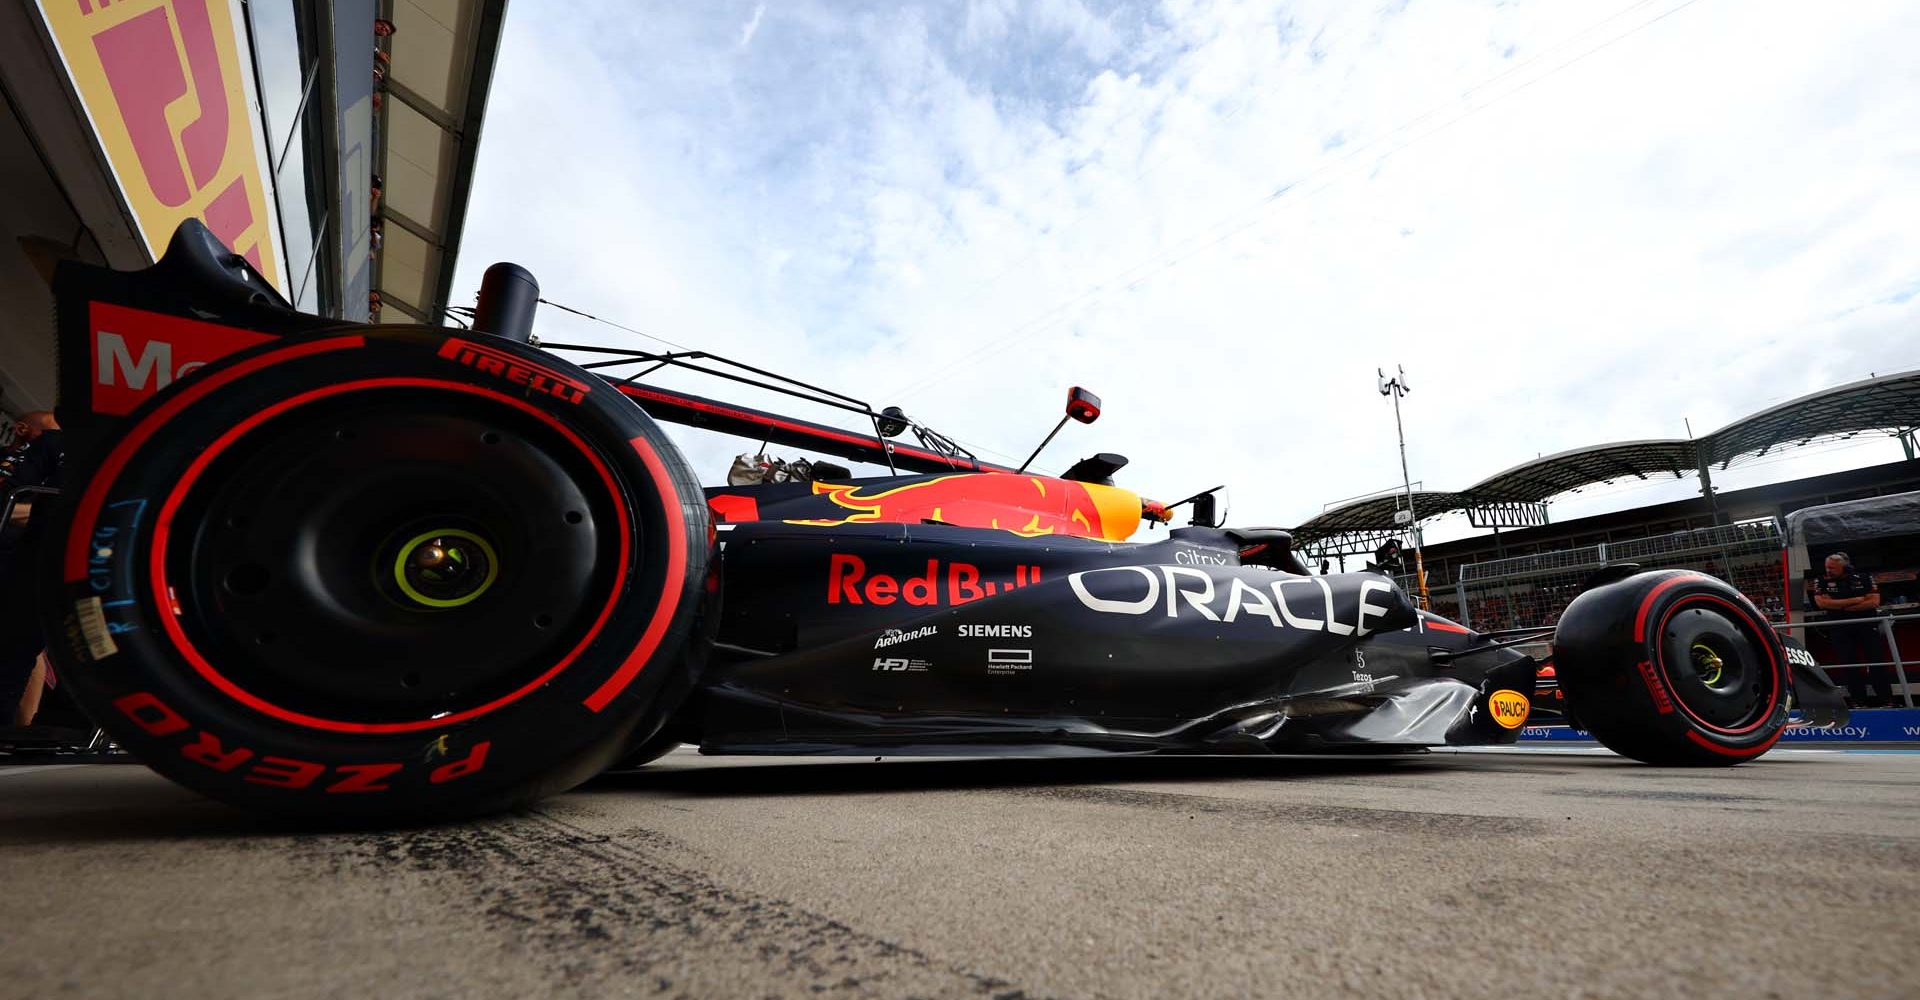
{"x":1453,"y":874}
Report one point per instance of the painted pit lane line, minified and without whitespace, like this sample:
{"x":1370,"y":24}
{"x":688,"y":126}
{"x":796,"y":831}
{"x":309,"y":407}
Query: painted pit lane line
{"x":17,"y":770}
{"x":1595,"y":750}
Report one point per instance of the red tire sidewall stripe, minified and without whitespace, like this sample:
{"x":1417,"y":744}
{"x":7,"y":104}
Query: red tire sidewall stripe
{"x":163,"y":526}
{"x":74,"y":569}
{"x":663,"y":612}
{"x":1646,"y":603}
{"x":1742,"y":752}
{"x":1773,"y":664}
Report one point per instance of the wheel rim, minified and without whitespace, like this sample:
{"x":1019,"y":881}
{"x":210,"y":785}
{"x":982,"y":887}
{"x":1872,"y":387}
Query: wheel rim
{"x":394,"y":556}
{"x":1718,"y":669}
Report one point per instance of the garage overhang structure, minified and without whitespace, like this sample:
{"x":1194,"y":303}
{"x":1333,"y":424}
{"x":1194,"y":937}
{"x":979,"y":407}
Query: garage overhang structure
{"x":1886,"y":404}
{"x":269,"y":121}
{"x":441,"y":62}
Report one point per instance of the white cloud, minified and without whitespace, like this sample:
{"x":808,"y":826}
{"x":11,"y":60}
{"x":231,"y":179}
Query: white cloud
{"x":753,"y":25}
{"x":1573,"y":223}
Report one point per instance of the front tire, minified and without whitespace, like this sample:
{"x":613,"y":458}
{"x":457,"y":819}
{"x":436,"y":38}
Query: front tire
{"x":1673,"y":668}
{"x":388,"y":575}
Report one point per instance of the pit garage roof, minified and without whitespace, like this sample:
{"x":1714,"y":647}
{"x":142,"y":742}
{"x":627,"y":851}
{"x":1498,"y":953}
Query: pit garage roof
{"x":441,"y":63}
{"x":1887,"y":404}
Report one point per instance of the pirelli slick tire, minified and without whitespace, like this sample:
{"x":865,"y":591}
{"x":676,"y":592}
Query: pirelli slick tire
{"x":1673,"y":668}
{"x":382,"y":576}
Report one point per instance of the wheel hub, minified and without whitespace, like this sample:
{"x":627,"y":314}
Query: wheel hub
{"x":445,"y":568}
{"x":1708,"y":664}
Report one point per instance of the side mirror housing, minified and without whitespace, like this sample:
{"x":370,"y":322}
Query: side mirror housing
{"x":1210,"y":509}
{"x":1082,"y":405}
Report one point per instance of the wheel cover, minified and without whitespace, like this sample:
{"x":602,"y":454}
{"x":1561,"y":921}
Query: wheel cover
{"x":1721,"y":673}
{"x":369,"y":655}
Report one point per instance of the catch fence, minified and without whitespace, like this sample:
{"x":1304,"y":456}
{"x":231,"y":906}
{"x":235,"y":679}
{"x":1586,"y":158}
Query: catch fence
{"x":1532,"y":590}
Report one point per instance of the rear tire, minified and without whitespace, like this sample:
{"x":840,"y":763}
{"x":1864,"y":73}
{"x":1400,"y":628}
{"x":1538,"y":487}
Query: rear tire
{"x":390,"y":575}
{"x":1673,"y":668}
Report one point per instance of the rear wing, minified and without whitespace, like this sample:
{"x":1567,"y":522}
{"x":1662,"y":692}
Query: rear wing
{"x":125,"y":335}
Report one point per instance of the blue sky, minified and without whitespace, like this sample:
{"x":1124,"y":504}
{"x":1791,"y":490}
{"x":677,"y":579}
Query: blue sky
{"x":1571,"y":222}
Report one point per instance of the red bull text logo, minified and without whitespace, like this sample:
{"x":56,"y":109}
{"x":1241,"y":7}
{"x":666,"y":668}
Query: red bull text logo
{"x":1030,"y":506}
{"x":944,"y":583}
{"x":503,"y":365}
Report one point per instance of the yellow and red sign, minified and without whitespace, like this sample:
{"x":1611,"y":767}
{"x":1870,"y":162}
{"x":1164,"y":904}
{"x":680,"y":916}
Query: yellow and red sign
{"x":165,"y":84}
{"x":1509,"y":708}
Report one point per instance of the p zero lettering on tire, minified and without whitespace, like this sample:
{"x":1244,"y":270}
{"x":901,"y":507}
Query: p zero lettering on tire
{"x":390,"y":575}
{"x":1673,"y":668}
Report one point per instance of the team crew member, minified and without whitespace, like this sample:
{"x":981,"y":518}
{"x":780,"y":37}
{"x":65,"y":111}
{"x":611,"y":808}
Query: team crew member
{"x":34,"y":459}
{"x":1846,"y":594}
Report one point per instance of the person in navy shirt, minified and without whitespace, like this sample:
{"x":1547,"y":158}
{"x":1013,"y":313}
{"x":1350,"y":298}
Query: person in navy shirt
{"x":1845,"y":593}
{"x":33,"y":459}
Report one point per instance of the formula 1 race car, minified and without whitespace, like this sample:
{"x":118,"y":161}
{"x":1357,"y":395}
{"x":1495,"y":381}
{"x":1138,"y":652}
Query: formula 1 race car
{"x":397,"y":573}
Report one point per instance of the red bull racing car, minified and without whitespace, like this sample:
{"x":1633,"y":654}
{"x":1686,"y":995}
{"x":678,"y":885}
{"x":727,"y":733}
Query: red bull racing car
{"x":393,"y":573}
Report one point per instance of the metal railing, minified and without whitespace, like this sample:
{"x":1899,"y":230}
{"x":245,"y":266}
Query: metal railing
{"x":1697,"y":541}
{"x":1886,"y":633}
{"x":1583,"y":557}
{"x":11,"y":498}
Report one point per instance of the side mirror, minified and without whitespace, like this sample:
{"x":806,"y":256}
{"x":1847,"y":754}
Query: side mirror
{"x":1210,"y":509}
{"x":892,"y":422}
{"x":1082,"y":405}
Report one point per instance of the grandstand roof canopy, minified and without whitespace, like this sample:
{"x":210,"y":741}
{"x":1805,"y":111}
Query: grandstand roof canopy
{"x":1888,"y":403}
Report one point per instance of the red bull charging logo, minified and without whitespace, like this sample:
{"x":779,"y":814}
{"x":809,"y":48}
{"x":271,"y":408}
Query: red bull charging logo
{"x":1029,"y":506}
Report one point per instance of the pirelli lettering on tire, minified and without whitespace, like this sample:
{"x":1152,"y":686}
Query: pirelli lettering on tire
{"x":1655,"y":687}
{"x":515,"y":369}
{"x":159,"y":720}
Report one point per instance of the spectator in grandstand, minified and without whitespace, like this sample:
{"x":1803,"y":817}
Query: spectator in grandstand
{"x":34,"y":459}
{"x":1846,"y":594}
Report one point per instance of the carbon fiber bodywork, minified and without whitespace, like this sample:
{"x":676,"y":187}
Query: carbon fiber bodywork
{"x":853,"y":638}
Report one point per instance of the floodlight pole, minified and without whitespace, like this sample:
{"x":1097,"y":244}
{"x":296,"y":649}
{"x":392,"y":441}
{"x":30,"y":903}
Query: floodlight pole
{"x":1397,"y":387}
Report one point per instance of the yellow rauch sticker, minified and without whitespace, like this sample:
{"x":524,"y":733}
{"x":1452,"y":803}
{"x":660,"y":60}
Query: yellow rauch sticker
{"x":1509,"y":708}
